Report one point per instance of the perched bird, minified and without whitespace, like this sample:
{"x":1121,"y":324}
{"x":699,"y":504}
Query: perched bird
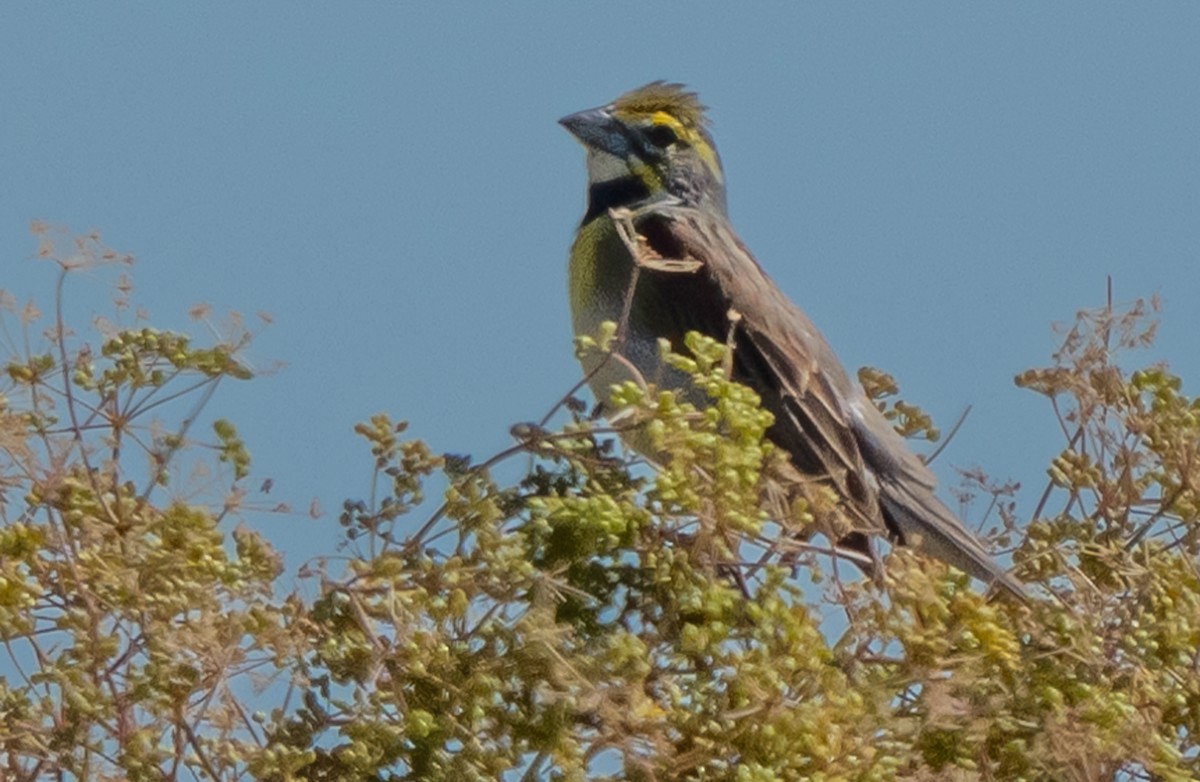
{"x":656,"y":202}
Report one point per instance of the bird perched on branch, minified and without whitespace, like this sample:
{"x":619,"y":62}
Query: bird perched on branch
{"x":656,"y":253}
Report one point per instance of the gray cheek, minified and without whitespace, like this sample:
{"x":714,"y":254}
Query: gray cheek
{"x":604,"y":166}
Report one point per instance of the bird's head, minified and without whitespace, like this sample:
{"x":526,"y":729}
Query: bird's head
{"x":651,"y":143}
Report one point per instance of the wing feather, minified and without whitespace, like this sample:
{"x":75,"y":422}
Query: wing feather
{"x":777,"y":350}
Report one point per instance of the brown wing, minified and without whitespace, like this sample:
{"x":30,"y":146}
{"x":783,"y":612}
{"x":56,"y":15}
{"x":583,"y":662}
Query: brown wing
{"x":777,"y":350}
{"x":822,"y":419}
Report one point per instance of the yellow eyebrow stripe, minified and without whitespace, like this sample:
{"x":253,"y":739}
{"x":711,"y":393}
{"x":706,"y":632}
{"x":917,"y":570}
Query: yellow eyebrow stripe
{"x":663,"y":118}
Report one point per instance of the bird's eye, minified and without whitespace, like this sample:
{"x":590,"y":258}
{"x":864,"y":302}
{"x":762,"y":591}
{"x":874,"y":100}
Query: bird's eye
{"x":662,"y":135}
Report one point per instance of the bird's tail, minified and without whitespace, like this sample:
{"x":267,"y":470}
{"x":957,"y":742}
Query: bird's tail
{"x":926,"y":524}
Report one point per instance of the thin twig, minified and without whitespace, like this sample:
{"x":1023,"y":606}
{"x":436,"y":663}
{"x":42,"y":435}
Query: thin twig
{"x":1050,"y":484}
{"x":180,"y":435}
{"x":946,"y":441}
{"x":60,"y":337}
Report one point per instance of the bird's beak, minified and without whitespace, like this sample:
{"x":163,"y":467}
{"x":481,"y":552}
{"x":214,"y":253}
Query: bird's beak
{"x":597,"y":129}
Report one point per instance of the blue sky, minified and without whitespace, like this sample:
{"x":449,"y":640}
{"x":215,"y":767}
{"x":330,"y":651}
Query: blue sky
{"x":935,"y":183}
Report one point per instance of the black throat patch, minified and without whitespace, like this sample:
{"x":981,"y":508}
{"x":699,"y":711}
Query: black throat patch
{"x":602,"y":196}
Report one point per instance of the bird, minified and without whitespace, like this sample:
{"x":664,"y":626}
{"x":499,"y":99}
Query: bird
{"x":656,"y":253}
